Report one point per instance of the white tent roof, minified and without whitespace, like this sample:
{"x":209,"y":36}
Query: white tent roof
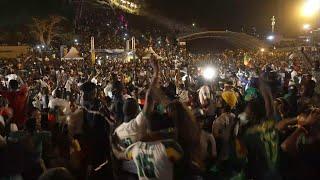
{"x":72,"y":54}
{"x":148,"y":52}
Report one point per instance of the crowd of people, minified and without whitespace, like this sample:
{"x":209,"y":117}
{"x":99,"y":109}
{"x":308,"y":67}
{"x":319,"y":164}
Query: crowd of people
{"x":256,"y":116}
{"x":112,"y":27}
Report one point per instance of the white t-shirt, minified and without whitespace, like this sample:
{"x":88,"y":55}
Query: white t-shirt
{"x":57,"y":102}
{"x":132,"y":131}
{"x":293,"y":74}
{"x":11,"y":77}
{"x":207,"y":140}
{"x":151,"y":160}
{"x":107,"y":90}
{"x":68,"y":84}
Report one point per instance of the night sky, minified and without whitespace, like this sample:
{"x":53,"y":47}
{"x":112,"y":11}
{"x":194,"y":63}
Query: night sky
{"x":233,"y":14}
{"x":208,"y":14}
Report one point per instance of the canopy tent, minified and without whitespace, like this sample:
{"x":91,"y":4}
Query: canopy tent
{"x":148,"y":52}
{"x":110,"y":51}
{"x":73,"y":54}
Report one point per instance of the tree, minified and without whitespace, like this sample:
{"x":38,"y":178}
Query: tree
{"x":46,"y":29}
{"x":53,"y":28}
{"x":38,"y":28}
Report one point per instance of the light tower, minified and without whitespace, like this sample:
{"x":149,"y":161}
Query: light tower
{"x":273,"y":23}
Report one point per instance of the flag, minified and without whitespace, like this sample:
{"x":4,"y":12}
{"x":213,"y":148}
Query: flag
{"x":246,"y":59}
{"x":167,"y":40}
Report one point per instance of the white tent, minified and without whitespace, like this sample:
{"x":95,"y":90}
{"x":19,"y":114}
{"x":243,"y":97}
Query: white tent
{"x":148,"y":52}
{"x":73,"y":54}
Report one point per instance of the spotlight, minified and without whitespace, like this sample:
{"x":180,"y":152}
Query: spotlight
{"x":310,"y":8}
{"x":306,"y":26}
{"x":209,"y":73}
{"x":270,"y":38}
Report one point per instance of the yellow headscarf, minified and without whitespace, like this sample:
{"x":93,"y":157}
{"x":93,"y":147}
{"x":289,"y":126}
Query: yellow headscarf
{"x":230,"y":98}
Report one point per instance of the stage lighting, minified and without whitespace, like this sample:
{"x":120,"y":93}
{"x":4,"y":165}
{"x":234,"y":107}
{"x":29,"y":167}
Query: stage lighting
{"x":310,"y":8}
{"x":209,"y":73}
{"x":270,"y":38}
{"x":306,"y":26}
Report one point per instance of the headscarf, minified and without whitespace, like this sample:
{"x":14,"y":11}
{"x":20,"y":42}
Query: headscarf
{"x":230,"y":98}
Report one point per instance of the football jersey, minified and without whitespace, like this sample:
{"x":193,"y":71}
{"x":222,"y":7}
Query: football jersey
{"x":154,"y":160}
{"x":132,"y":131}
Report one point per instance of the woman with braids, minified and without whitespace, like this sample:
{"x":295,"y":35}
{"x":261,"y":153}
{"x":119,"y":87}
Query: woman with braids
{"x":187,"y":134}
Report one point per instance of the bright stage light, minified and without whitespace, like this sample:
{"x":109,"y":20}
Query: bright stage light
{"x":262,"y":50}
{"x":270,"y":38}
{"x":306,"y":26}
{"x":310,"y":8}
{"x":209,"y":73}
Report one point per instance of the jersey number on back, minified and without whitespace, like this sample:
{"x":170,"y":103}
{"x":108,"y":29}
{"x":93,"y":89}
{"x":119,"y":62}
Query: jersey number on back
{"x":145,"y":165}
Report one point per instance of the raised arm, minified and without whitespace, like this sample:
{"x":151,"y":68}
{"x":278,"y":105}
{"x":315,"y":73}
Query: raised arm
{"x":267,"y":96}
{"x":150,"y":98}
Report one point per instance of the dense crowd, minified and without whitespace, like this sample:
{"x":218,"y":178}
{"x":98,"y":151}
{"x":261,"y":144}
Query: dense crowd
{"x":254,"y":116}
{"x":112,"y":27}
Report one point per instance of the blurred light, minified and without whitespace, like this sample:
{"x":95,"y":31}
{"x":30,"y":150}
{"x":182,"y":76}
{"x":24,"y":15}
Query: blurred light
{"x":76,"y":40}
{"x":99,"y":62}
{"x":310,"y":8}
{"x":124,"y":38}
{"x":125,"y":34}
{"x":42,"y":46}
{"x":307,"y":40}
{"x":193,"y":24}
{"x":271,"y":37}
{"x":262,"y":49}
{"x":306,"y":26}
{"x":38,"y":47}
{"x":209,"y":73}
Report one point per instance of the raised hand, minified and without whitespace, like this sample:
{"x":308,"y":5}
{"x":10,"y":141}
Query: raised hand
{"x":154,"y":63}
{"x":311,"y":119}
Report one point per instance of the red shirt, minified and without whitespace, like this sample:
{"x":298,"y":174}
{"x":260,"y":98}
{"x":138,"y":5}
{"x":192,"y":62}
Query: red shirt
{"x":18,"y":103}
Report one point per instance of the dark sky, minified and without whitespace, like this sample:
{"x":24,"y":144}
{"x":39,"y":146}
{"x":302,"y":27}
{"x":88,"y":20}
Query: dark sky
{"x":232,"y":14}
{"x":209,"y":14}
